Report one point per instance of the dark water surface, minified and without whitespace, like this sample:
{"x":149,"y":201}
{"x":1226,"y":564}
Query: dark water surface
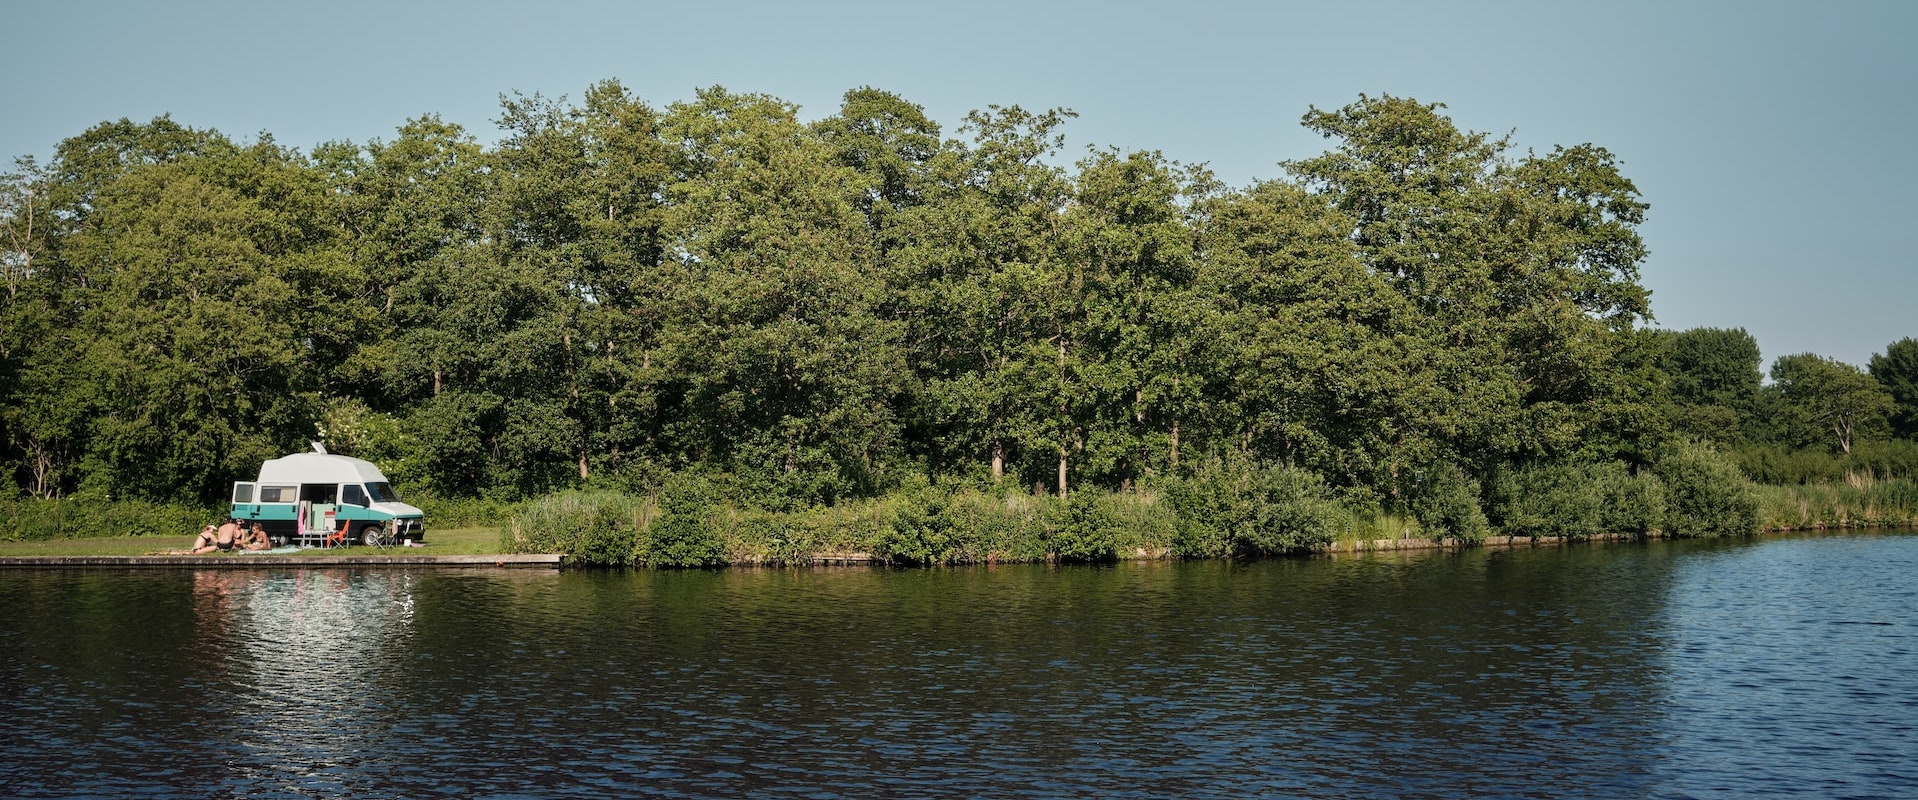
{"x":1781,"y":667}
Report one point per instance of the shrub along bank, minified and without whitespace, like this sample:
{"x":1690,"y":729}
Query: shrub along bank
{"x":33,"y":520}
{"x":1219,"y":508}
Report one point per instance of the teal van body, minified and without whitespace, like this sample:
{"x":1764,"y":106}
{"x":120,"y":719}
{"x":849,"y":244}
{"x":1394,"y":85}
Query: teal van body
{"x":321,"y":498}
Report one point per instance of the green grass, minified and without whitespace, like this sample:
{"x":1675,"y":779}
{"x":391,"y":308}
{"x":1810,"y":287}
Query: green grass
{"x":451,"y":542}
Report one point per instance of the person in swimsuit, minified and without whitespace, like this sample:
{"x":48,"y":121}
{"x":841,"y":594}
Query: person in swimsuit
{"x":254,"y":538}
{"x":228,"y":536}
{"x":206,"y":542}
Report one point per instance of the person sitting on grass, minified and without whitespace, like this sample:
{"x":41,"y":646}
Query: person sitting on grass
{"x":255,"y":538}
{"x":206,"y":541}
{"x":226,"y":537}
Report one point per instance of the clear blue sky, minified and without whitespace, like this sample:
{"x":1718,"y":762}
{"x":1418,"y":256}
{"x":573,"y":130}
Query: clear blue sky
{"x":1773,"y":141}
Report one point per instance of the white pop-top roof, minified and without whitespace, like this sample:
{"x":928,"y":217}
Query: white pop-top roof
{"x":319,"y":468}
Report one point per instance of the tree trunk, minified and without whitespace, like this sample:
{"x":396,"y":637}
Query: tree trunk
{"x":1062,"y":413}
{"x":998,"y":460}
{"x":1175,"y":444}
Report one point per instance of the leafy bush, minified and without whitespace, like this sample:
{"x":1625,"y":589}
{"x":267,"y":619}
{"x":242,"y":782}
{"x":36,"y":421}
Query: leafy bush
{"x":464,"y":512}
{"x":1706,"y":494}
{"x":1577,"y":500}
{"x":918,"y":530}
{"x":1553,"y":499}
{"x":1775,"y":464}
{"x":690,"y":530}
{"x":26,"y":520}
{"x":1232,"y":507}
{"x":1002,"y":525}
{"x":1447,"y":504}
{"x":593,"y":528}
{"x":1084,"y":528}
{"x":1632,"y":502}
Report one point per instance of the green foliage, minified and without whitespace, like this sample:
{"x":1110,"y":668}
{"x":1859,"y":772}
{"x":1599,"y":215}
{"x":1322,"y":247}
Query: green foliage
{"x":1714,"y":366}
{"x":463,"y":512}
{"x":844,"y":317}
{"x":1705,"y":494}
{"x":691,"y":528}
{"x":1004,"y":526}
{"x":1577,"y":500}
{"x":919,"y":530}
{"x":1859,"y":501}
{"x":591,"y":528}
{"x":1446,"y":505}
{"x":26,"y":520}
{"x":1632,"y":502}
{"x":1896,"y":370}
{"x":1777,"y":464}
{"x":1831,"y":401}
{"x":1085,"y":529}
{"x":1235,"y":507}
{"x":1715,"y":377}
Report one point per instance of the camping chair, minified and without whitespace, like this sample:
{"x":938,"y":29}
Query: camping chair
{"x":386,"y":537}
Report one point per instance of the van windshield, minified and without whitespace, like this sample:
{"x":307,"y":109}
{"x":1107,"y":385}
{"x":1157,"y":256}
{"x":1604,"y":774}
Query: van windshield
{"x":382,"y":492}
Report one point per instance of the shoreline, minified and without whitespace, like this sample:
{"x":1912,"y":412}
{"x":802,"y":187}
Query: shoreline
{"x":558,"y":561}
{"x":501,"y":561}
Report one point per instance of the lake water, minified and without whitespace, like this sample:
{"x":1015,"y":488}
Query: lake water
{"x":1780,"y":667}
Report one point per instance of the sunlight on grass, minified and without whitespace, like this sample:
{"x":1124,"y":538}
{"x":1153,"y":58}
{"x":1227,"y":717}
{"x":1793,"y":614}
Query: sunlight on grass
{"x":451,"y":542}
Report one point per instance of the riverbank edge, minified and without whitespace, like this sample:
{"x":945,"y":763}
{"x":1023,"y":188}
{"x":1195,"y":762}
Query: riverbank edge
{"x":1364,"y":546}
{"x":501,"y":561}
{"x":850,"y":559}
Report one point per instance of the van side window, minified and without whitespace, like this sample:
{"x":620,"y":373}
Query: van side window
{"x":278,"y":494}
{"x":353,"y":495}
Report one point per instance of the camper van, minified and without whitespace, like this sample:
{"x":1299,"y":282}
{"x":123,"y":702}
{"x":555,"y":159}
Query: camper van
{"x":319,"y":498}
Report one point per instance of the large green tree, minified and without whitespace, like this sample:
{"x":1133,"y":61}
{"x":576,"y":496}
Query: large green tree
{"x":1896,"y":369}
{"x":192,"y":282}
{"x":1831,"y":401}
{"x":1520,"y":273}
{"x":1715,"y":377}
{"x":788,"y":374}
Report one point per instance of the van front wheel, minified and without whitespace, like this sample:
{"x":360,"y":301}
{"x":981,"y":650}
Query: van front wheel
{"x":373,"y":536}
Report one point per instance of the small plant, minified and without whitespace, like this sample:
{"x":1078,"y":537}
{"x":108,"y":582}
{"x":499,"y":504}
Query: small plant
{"x":919,"y":529}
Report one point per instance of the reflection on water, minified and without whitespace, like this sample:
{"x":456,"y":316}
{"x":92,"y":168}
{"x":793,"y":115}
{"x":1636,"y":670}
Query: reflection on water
{"x":1663,"y":670}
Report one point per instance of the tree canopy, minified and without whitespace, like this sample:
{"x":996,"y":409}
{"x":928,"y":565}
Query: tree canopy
{"x":615,"y":292}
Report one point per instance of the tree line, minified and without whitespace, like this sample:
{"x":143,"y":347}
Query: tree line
{"x":813,"y":312}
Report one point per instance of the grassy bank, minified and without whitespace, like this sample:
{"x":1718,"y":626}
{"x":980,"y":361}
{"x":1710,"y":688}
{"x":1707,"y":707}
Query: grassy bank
{"x":451,"y":542}
{"x":1860,"y":501}
{"x":1216,"y":510}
